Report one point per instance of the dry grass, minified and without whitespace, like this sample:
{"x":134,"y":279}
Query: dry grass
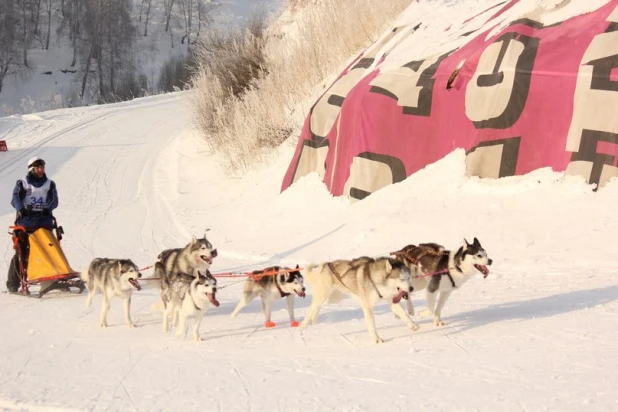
{"x":247,"y":89}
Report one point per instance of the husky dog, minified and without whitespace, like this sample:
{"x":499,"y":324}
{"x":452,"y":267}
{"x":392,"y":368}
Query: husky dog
{"x":270,"y":284}
{"x":189,"y":295}
{"x":115,"y":277}
{"x":440,"y":270}
{"x":364,"y":278}
{"x":197,"y":255}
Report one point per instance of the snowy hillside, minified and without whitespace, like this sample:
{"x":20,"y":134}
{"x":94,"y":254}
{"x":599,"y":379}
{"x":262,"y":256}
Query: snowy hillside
{"x":51,"y":82}
{"x":134,"y":178}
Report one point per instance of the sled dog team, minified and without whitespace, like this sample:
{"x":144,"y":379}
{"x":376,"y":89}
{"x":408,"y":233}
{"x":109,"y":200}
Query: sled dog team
{"x":187,"y":288}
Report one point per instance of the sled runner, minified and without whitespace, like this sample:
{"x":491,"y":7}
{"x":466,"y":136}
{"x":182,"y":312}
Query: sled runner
{"x":46,"y":265}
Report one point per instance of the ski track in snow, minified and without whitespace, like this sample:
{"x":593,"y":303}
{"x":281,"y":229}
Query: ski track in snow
{"x":537,"y":334}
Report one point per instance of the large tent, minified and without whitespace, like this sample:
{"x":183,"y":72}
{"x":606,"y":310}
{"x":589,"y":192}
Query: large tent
{"x":517,"y":97}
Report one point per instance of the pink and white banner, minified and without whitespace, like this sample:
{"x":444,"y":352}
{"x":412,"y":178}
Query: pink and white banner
{"x":530,"y":96}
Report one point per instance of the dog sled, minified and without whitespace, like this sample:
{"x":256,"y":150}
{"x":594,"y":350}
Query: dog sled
{"x":45,"y":264}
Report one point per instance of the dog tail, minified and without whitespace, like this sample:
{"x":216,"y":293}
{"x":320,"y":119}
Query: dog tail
{"x":84,"y":275}
{"x":309,"y":272}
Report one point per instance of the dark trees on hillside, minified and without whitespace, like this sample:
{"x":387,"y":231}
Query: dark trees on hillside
{"x":10,"y":61}
{"x":103,"y":36}
{"x":107,"y":40}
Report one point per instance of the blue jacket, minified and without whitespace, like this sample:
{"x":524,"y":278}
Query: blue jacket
{"x":34,"y":220}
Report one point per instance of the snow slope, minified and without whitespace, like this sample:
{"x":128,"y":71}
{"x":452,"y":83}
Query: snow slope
{"x":539,"y":333}
{"x":134,"y":178}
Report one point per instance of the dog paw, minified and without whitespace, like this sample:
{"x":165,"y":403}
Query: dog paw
{"x":269,"y":324}
{"x":378,"y":340}
{"x":103,"y":324}
{"x":438,"y":322}
{"x":415,"y":327}
{"x":131,"y":325}
{"x":294,"y":324}
{"x":198,"y":338}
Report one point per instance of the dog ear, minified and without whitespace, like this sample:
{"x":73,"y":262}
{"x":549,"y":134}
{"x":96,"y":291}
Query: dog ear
{"x":476,"y":242}
{"x":466,"y":244}
{"x":389,"y":266}
{"x":297,"y":266}
{"x":205,"y":230}
{"x":193,"y":240}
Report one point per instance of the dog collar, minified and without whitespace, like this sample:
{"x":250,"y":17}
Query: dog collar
{"x":278,"y":288}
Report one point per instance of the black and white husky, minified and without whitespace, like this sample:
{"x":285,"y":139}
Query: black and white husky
{"x":189,"y":295}
{"x":436,"y":269}
{"x":271,"y":284}
{"x":115,"y":277}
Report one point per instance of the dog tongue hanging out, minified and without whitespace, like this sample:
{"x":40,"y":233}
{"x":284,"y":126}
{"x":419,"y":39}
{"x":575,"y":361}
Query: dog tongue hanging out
{"x":440,"y":270}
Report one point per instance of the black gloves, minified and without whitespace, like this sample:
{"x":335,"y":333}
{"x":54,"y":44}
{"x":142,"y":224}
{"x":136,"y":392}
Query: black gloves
{"x":27,"y":212}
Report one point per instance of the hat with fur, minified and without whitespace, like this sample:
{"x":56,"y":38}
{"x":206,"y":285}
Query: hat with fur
{"x":35,"y":161}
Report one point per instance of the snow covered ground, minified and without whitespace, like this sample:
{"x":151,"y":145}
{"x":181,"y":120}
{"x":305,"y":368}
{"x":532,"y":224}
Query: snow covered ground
{"x":538,"y":334}
{"x":134,"y":178}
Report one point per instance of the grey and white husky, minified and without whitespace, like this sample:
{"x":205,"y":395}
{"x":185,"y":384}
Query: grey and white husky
{"x":270,"y":284}
{"x":439,"y":270}
{"x":196,"y":256}
{"x":115,"y":277}
{"x":366,"y":279}
{"x":189,"y":295}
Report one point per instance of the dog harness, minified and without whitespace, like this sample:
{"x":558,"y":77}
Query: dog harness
{"x":332,"y":269}
{"x":257,"y":275}
{"x":278,"y":288}
{"x":415,"y":261}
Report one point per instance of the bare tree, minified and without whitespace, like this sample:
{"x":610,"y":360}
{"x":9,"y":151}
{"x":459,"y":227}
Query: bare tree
{"x":141,"y":9}
{"x":36,"y":15}
{"x":204,"y":14}
{"x":168,"y":5}
{"x":26,"y":35}
{"x":147,"y":18}
{"x":107,"y":43}
{"x":48,"y":7}
{"x":76,"y":7}
{"x":189,"y":10}
{"x":186,"y":8}
{"x":90,"y":41}
{"x":9,"y":53}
